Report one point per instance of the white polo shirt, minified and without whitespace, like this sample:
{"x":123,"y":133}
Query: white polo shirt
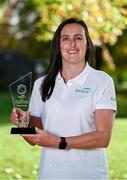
{"x":70,"y":112}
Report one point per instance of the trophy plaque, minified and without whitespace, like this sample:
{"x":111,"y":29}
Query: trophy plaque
{"x":20,"y":91}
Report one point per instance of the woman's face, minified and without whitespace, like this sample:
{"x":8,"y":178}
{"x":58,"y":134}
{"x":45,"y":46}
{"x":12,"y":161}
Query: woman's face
{"x":73,"y":44}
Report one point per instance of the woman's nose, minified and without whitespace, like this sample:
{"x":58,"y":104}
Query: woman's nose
{"x":72,"y":42}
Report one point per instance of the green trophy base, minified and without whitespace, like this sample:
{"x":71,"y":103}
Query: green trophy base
{"x":23,"y":130}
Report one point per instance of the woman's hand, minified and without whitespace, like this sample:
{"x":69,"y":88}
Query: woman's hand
{"x":17,"y":113}
{"x":42,"y":138}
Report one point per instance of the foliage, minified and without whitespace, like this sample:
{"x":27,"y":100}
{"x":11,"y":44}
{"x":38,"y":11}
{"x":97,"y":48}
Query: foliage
{"x":106,"y":19}
{"x":28,"y":26}
{"x":33,"y":21}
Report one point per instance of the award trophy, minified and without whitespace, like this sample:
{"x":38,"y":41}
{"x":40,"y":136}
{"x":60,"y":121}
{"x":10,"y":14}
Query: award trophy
{"x":20,"y":93}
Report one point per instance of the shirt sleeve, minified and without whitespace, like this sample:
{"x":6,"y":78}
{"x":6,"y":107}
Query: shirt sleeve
{"x":36,"y":104}
{"x":105,"y":97}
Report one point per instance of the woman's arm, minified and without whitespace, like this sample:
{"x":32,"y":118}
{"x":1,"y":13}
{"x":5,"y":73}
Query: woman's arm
{"x":99,"y":138}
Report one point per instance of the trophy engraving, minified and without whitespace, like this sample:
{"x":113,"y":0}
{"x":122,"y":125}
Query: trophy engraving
{"x":20,"y":94}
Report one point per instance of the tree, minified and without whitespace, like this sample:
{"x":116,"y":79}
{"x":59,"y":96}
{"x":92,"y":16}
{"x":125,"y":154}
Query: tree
{"x":27,"y":22}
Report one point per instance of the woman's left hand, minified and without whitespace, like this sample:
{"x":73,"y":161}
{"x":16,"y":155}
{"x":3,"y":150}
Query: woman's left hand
{"x":42,"y":138}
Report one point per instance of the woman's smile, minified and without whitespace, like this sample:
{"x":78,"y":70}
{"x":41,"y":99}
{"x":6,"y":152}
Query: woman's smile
{"x":72,"y":51}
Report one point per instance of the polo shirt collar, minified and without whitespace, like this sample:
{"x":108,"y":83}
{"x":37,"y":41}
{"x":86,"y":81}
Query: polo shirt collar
{"x":79,"y":79}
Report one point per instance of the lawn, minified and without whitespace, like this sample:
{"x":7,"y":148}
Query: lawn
{"x":117,"y":151}
{"x":19,"y":160}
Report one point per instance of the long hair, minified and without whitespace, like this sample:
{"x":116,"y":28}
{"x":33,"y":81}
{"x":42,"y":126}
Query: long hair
{"x":55,"y":63}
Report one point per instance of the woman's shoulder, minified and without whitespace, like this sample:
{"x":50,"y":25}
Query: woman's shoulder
{"x":100,"y":75}
{"x":39,"y":80}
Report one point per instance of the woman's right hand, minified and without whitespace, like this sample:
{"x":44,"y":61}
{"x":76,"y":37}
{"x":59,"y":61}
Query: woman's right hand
{"x":16,"y":114}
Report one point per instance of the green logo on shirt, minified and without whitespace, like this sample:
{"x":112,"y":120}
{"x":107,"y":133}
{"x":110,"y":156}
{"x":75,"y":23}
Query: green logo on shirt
{"x":84,"y":90}
{"x":113,"y":99}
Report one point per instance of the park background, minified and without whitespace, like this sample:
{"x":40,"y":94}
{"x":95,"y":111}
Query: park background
{"x":26,"y":31}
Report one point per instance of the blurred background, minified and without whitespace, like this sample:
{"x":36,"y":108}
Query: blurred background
{"x":26,"y":31}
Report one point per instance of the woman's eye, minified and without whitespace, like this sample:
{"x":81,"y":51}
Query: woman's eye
{"x":65,"y":39}
{"x":78,"y":38}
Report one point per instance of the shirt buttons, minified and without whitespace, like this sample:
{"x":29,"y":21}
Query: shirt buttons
{"x":69,"y":83}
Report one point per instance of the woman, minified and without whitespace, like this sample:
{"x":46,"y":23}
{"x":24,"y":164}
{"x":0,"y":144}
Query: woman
{"x":73,"y":107}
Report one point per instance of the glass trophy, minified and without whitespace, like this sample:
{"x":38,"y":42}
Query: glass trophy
{"x":20,"y":91}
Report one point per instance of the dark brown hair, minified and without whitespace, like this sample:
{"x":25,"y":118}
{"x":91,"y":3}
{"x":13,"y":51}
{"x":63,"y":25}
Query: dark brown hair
{"x":55,"y":63}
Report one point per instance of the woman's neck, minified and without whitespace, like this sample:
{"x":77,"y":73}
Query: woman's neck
{"x":71,"y":71}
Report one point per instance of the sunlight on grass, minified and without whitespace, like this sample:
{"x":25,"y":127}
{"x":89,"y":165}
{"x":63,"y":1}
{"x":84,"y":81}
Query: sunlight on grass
{"x":19,"y":160}
{"x":117,"y":151}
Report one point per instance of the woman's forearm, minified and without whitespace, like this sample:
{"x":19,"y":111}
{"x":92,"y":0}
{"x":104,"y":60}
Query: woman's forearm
{"x":88,"y":141}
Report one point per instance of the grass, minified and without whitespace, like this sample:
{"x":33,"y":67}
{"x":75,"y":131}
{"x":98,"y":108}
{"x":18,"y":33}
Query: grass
{"x":19,"y":160}
{"x":117,"y":151}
